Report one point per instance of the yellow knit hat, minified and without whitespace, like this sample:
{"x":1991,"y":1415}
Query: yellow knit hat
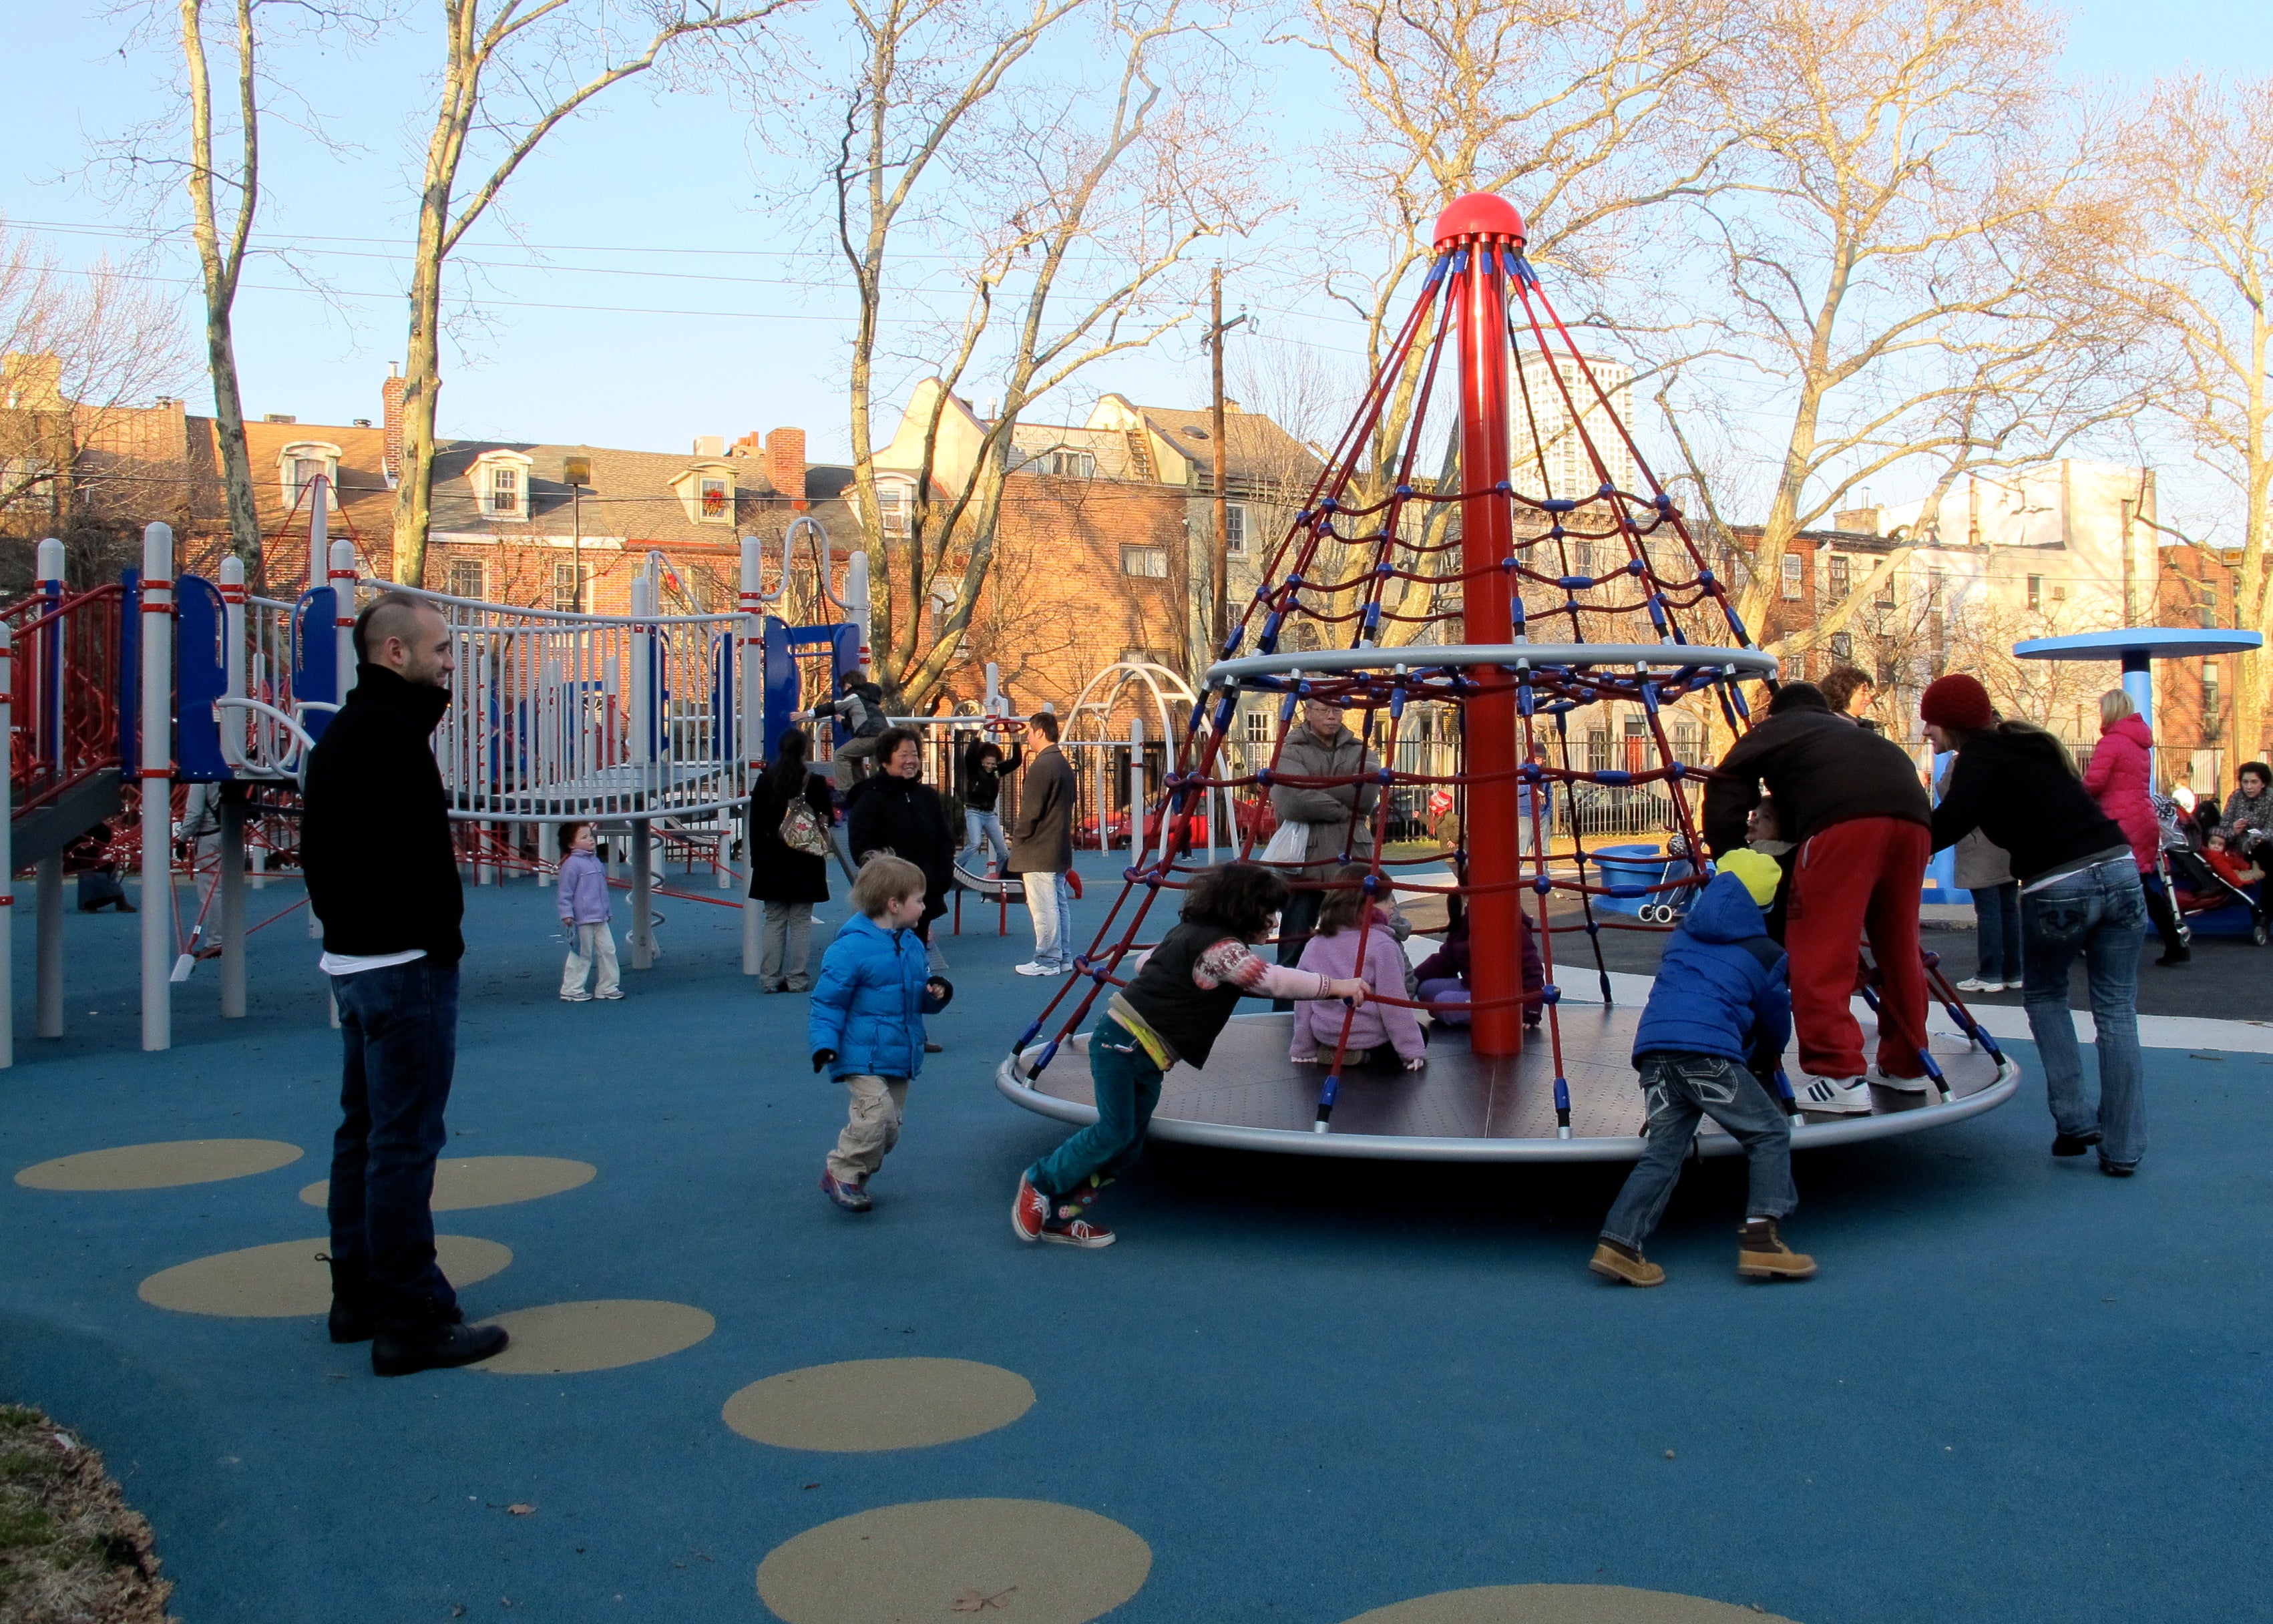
{"x":1760,"y":873}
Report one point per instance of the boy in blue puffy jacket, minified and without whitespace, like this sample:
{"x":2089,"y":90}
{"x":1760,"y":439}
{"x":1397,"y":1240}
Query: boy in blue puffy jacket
{"x":1723,"y":997}
{"x":865,"y":1023}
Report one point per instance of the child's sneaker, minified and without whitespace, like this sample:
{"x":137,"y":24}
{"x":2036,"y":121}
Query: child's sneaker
{"x":1076,"y":1232}
{"x":615,"y":993}
{"x":1881,"y":1078}
{"x":1762,"y":1255}
{"x":1631,"y":1269}
{"x":852,"y":1198}
{"x":1834,"y":1096}
{"x":1030,"y":1210}
{"x":576,"y":998}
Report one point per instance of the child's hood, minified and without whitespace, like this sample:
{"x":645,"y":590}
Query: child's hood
{"x":1726,"y":913}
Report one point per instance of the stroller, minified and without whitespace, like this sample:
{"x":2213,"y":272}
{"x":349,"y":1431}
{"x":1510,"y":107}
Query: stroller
{"x":1671,"y":906}
{"x":2206,"y":892}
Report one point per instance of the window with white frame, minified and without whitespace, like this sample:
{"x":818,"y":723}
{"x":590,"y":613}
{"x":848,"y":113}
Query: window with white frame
{"x":1149,"y":562}
{"x":1234,"y":528}
{"x":299,"y":464}
{"x":1841,"y":581}
{"x":470,"y":578}
{"x":500,"y":484}
{"x":895,"y":498}
{"x":1794,"y":575}
{"x":568,"y":584}
{"x":1842,"y":647}
{"x":1071,"y":464}
{"x":713,"y":500}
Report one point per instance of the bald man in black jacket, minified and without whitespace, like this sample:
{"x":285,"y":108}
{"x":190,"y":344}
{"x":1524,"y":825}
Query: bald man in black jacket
{"x":383,"y":877}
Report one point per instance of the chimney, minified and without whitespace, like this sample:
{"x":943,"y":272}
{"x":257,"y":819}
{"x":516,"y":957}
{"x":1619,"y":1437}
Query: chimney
{"x":785,"y":462}
{"x":390,"y":400}
{"x":709,"y":445}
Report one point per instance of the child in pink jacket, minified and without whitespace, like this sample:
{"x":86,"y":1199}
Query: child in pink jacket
{"x":1333,"y":952}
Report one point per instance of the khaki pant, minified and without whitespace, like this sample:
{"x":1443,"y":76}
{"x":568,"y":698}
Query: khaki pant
{"x":854,"y":760}
{"x":787,"y":944}
{"x":593,"y":944}
{"x":872,"y":1128}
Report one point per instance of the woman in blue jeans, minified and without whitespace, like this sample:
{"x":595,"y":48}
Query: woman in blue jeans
{"x":2079,"y":894}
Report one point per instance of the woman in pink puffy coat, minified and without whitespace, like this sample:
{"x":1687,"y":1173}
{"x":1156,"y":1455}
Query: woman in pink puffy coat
{"x":2119,"y":778}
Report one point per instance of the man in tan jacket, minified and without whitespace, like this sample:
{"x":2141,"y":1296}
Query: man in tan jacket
{"x":1340,"y":816}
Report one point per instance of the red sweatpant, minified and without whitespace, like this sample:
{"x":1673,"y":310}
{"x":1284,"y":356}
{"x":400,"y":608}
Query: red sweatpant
{"x":1856,"y":879}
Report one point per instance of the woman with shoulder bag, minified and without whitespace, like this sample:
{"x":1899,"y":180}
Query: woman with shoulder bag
{"x":790,"y":815}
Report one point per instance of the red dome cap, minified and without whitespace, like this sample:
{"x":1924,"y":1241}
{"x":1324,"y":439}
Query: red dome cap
{"x":1479,"y":213}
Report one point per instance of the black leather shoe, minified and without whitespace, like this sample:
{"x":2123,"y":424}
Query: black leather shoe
{"x":405,"y":1350}
{"x":2073,"y":1144}
{"x":2118,"y":1170}
{"x":351,"y":1319}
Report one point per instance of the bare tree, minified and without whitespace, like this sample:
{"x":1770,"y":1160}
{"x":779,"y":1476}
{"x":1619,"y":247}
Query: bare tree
{"x":2203,"y":274}
{"x":1897,"y":252}
{"x":1068,"y":210}
{"x":512,"y":73}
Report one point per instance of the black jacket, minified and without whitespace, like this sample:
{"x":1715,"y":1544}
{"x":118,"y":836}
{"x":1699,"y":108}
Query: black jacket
{"x":1041,"y":836}
{"x":778,"y":873}
{"x":1821,"y":769}
{"x":982,"y":783}
{"x":375,"y":828}
{"x":906,"y":817}
{"x":2018,"y":789}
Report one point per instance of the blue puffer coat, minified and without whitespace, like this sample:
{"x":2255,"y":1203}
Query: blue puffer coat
{"x":869,"y":1002}
{"x":1723,"y":987}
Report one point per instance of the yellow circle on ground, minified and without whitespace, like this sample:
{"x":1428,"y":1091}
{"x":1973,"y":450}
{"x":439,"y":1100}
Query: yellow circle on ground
{"x":158,"y":1167}
{"x":1563,"y":1603}
{"x":939,"y":1561}
{"x":461,"y":1182}
{"x":560,"y":1339}
{"x":879,"y":1404}
{"x":278,"y":1282}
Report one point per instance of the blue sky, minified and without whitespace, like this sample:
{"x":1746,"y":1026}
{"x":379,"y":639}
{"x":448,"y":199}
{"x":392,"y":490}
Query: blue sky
{"x":648,"y":205}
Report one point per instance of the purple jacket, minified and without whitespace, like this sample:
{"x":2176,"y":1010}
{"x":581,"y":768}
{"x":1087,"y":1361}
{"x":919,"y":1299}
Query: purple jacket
{"x":1318,"y":1025}
{"x":584,"y":889}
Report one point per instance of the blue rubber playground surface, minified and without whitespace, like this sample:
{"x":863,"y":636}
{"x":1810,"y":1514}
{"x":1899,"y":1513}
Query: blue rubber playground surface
{"x":2017,"y":1391}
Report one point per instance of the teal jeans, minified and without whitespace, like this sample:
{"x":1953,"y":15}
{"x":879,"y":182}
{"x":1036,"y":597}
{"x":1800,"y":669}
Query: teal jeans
{"x":1128,"y":1087}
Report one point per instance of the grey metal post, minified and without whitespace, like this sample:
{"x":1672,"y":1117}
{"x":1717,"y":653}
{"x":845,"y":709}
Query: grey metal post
{"x":48,"y":916}
{"x":157,"y":688}
{"x":232,"y":907}
{"x":547,"y":853}
{"x":1135,"y":792}
{"x":642,"y":896}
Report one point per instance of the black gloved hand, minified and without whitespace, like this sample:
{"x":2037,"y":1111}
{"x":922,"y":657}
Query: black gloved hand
{"x":822,"y":1057}
{"x":940,"y":991}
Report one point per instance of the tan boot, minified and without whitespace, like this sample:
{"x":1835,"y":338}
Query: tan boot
{"x":1612,"y":1261}
{"x":1762,"y":1255}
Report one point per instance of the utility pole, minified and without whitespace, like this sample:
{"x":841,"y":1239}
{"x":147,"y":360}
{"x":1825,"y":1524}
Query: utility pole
{"x":1219,"y":553}
{"x":578,"y":469}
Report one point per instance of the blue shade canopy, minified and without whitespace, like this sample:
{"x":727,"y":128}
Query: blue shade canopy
{"x":2138,"y":643}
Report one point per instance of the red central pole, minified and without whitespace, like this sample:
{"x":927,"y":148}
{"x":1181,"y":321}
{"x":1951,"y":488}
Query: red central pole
{"x":1482,"y":229}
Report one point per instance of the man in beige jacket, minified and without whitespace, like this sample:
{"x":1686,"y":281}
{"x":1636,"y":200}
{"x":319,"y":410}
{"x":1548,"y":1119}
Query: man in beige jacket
{"x":1340,"y":816}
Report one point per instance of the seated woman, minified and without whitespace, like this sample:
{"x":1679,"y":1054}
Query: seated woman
{"x":1334,"y":951}
{"x":1442,"y":978}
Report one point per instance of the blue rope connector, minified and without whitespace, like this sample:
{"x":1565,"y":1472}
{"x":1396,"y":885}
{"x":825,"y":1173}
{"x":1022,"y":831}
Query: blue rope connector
{"x":1562,"y":1108}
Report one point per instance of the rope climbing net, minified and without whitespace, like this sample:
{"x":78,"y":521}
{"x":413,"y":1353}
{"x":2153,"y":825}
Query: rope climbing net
{"x":1393,"y":593}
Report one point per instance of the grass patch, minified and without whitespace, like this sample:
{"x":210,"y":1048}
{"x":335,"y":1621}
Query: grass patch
{"x":71,"y":1551}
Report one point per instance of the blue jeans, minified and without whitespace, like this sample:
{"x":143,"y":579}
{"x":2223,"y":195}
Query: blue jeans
{"x":986,"y":826}
{"x":400,"y":1025}
{"x":2102,"y":914}
{"x":1997,"y":919}
{"x":1049,"y":900}
{"x":1680,"y":1089}
{"x":1128,"y":1087}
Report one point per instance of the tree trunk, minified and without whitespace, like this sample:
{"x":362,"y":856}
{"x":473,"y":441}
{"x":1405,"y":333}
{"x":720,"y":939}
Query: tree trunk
{"x":228,"y":429}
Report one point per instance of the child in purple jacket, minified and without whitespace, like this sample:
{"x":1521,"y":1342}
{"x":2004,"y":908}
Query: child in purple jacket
{"x":585,"y":912}
{"x":1334,"y":951}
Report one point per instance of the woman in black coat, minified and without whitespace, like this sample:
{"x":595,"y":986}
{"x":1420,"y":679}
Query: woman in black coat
{"x":789,"y":882}
{"x":894,"y":811}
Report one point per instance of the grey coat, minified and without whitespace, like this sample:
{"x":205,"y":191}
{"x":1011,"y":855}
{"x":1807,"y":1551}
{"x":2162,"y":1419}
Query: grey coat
{"x":1980,"y":865}
{"x":1329,"y":812}
{"x":1041,"y":835}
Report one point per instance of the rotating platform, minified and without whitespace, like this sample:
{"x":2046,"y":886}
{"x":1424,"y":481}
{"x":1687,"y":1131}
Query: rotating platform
{"x":1466,"y":1109}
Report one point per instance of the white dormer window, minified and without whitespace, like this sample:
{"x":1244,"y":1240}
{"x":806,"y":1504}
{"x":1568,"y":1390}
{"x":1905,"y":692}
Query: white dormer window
{"x":1071,"y":464}
{"x":895,"y":501}
{"x":299,"y":466}
{"x":706,"y":492}
{"x":500,"y":484}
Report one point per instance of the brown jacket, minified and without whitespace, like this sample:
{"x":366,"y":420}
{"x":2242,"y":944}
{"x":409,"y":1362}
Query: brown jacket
{"x":1331,"y":811}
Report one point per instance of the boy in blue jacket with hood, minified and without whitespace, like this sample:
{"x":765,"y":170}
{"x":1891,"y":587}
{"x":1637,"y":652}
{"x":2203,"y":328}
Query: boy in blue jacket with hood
{"x":865,"y":1022}
{"x":1723,"y":997}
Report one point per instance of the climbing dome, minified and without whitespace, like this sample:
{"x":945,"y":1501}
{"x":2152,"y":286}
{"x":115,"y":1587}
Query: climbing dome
{"x":1541,"y":578}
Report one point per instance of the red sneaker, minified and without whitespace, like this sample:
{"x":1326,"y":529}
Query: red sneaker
{"x":1076,"y":1232}
{"x":1029,"y":1212}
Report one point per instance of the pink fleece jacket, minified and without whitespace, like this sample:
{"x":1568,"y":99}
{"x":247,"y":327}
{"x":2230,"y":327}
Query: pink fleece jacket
{"x":1317,"y":1026}
{"x":2117,"y":778}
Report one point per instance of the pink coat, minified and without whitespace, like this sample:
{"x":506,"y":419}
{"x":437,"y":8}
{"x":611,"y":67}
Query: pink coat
{"x":1318,"y":1023}
{"x":2117,"y":779}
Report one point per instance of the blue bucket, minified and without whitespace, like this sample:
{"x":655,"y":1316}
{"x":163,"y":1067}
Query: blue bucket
{"x":1628,"y":865}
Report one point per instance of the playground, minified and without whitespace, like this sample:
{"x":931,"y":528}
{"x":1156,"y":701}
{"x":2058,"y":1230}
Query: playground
{"x":1311,"y":1389}
{"x":1347,"y":1367}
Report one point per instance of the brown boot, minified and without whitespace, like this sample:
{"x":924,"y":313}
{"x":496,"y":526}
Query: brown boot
{"x":1762,"y":1255}
{"x":1626,"y":1266}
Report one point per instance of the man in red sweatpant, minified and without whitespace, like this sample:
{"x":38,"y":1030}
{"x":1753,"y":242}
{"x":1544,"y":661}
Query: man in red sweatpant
{"x":1856,"y":806}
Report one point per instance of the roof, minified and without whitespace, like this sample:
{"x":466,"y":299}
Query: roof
{"x":1256,"y":448}
{"x":632,"y":493}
